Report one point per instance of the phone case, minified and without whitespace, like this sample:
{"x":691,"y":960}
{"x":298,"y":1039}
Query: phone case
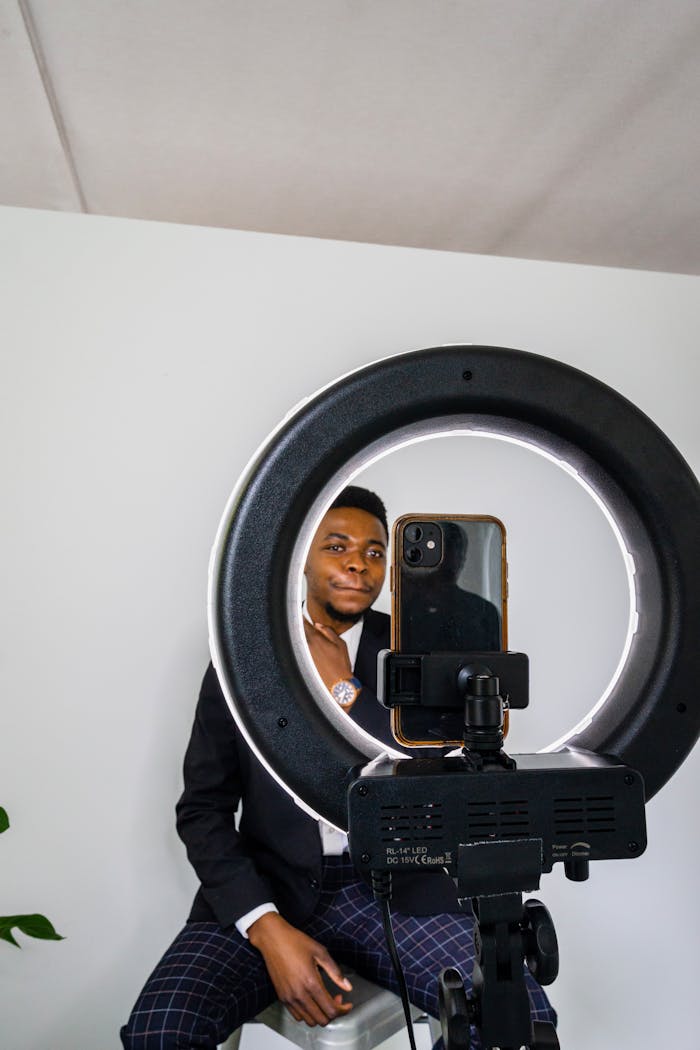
{"x":433,"y":609}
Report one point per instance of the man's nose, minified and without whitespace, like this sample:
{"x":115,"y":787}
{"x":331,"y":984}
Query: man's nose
{"x":354,"y":562}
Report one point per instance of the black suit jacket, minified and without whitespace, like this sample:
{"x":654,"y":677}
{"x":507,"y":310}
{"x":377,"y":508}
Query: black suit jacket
{"x":275,"y":853}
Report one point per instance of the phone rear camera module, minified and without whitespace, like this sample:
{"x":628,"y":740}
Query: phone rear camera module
{"x":422,"y":544}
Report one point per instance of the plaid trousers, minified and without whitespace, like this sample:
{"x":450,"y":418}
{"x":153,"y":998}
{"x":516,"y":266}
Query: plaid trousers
{"x":211,"y":981}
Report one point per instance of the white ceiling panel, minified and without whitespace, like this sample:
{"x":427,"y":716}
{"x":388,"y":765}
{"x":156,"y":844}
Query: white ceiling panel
{"x":34,"y":171}
{"x":541,"y":129}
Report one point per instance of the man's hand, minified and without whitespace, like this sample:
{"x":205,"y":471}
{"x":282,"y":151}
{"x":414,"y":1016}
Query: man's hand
{"x":329,"y":652}
{"x":293,"y":960}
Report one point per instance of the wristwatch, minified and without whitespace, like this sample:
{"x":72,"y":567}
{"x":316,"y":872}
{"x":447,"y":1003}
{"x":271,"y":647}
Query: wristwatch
{"x":346,"y":691}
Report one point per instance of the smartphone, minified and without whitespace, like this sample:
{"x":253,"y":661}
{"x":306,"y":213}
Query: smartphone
{"x":448,"y":594}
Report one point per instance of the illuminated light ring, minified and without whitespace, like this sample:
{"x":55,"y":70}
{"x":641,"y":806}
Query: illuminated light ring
{"x":650,"y":718}
{"x":456,"y":428}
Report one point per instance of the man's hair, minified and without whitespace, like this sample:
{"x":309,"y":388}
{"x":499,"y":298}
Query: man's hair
{"x":361,"y":499}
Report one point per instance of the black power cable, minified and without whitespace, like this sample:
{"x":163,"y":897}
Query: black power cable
{"x":381,"y":887}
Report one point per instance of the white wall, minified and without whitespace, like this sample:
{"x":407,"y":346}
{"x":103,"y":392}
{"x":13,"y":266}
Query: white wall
{"x":141,"y":365}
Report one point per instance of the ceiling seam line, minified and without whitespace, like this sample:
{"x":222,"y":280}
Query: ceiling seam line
{"x":52,"y":100}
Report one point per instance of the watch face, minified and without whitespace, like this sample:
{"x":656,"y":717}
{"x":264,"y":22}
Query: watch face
{"x":344,"y":692}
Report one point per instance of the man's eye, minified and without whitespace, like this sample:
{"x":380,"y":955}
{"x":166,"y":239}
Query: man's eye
{"x":376,"y":554}
{"x":335,"y":547}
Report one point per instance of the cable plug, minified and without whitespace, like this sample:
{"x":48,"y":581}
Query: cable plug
{"x":381,"y":885}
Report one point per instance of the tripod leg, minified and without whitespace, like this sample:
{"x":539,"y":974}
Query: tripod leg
{"x":454,"y":1010}
{"x":501,"y":1002}
{"x":544,"y":1036}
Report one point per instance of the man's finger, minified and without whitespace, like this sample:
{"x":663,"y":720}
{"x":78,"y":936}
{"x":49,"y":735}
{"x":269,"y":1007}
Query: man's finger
{"x":327,"y":1004}
{"x":299,"y":1008}
{"x":316,"y":998}
{"x":328,"y":963}
{"x":328,"y":633}
{"x":342,"y":1007}
{"x":318,"y":1006}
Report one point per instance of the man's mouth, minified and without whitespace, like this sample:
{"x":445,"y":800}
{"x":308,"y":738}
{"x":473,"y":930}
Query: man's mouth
{"x":351,"y":587}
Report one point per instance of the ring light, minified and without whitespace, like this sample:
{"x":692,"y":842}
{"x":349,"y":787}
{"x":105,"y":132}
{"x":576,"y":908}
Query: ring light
{"x":649,"y":719}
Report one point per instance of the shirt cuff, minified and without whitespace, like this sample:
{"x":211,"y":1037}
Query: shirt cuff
{"x":246,"y":921}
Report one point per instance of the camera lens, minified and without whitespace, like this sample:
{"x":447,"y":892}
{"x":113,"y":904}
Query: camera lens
{"x":414,"y":555}
{"x":413,"y":533}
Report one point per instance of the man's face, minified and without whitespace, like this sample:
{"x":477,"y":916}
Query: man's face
{"x":346,"y":565}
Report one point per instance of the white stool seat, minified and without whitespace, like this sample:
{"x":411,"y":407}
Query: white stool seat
{"x":376,"y":1015}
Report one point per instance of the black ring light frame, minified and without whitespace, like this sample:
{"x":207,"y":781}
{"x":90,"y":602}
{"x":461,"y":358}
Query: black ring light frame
{"x":651,"y":718}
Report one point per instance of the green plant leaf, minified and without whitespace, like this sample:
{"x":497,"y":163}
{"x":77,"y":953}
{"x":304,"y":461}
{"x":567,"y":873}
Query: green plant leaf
{"x":31,"y":925}
{"x":4,"y":820}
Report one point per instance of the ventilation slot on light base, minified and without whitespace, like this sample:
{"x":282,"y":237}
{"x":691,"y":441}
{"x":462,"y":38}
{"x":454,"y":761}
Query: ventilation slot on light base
{"x":418,"y":822}
{"x":508,"y":819}
{"x":591,"y":815}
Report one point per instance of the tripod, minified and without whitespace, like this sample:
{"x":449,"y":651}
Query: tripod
{"x":491,"y":876}
{"x":496,"y":823}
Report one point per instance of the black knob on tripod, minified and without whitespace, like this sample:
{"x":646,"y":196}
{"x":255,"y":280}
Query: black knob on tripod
{"x":483,"y":714}
{"x":540,"y":942}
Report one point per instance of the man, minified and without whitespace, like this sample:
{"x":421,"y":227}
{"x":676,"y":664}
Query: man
{"x":345,"y":571}
{"x":279,"y":900}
